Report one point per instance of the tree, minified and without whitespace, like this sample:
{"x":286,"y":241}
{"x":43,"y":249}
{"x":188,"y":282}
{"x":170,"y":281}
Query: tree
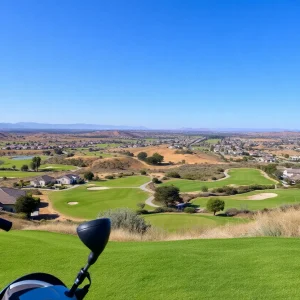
{"x":151,"y":160}
{"x":88,"y":175}
{"x":14,"y":167}
{"x":158,"y":157}
{"x":24,"y":168}
{"x":26,"y":204}
{"x":142,"y":156}
{"x":167,"y":195}
{"x":173,"y":174}
{"x":35,"y":163}
{"x":214,"y":205}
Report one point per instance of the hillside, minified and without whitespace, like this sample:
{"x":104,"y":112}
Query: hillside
{"x":120,"y":163}
{"x":260,"y":268}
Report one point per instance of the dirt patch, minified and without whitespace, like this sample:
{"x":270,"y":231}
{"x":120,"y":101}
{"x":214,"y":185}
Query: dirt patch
{"x":98,"y":188}
{"x":72,"y":203}
{"x":262,"y":196}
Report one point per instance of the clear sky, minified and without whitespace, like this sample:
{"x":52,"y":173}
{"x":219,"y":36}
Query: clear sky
{"x":156,"y":63}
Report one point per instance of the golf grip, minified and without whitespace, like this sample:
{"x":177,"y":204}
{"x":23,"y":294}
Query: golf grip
{"x":5,"y":225}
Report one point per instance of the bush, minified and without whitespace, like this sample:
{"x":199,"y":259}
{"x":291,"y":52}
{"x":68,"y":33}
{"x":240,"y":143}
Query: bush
{"x":143,"y":172}
{"x":26,"y":204}
{"x":164,"y":209}
{"x":214,"y":178}
{"x":189,"y":210}
{"x":173,"y":174}
{"x":156,"y":180}
{"x":88,"y":175}
{"x":109,"y":177}
{"x":142,"y":156}
{"x":127,"y":219}
{"x":204,"y":189}
{"x":231,"y":212}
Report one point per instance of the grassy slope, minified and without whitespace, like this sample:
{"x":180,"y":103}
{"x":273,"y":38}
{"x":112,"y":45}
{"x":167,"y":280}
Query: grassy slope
{"x":238,"y":201}
{"x":91,"y":202}
{"x":177,"y":222}
{"x":257,"y":268}
{"x":237,"y":177}
{"x":129,"y":181}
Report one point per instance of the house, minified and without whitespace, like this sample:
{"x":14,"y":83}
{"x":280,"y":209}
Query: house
{"x":8,"y":198}
{"x":69,"y":179}
{"x":289,"y":173}
{"x":295,"y":158}
{"x":42,"y":181}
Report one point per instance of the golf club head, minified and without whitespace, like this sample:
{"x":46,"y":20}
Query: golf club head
{"x":95,"y":234}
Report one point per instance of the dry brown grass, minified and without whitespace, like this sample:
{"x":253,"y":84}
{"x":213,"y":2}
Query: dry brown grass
{"x":274,"y":223}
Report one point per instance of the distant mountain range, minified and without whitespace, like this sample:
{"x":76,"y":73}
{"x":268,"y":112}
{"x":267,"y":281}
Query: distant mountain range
{"x":87,"y":127}
{"x":41,"y":126}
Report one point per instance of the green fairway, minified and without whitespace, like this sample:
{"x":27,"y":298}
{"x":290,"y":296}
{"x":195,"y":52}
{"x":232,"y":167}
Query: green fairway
{"x":246,"y":269}
{"x":179,"y":221}
{"x":212,"y":141}
{"x":19,"y":174}
{"x":288,"y":196}
{"x":128,"y":181}
{"x":237,"y":177}
{"x":90,"y":203}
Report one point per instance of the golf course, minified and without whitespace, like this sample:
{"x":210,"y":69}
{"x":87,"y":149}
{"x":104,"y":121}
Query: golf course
{"x":174,"y":222}
{"x":237,"y":177}
{"x":280,"y":197}
{"x":247,"y":269}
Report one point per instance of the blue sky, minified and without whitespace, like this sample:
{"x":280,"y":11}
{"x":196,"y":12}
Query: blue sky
{"x":156,"y":63}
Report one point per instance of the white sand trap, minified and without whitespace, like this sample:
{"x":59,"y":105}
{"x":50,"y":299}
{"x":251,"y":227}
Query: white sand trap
{"x":98,"y":188}
{"x":91,"y":184}
{"x":262,"y":196}
{"x":51,"y":167}
{"x":72,"y":203}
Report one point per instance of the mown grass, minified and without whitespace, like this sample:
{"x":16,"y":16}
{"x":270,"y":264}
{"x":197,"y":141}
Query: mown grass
{"x":243,"y":176}
{"x":252,"y":268}
{"x":128,"y":181}
{"x":57,"y":167}
{"x":19,"y":174}
{"x":174,"y":222}
{"x":90,"y":203}
{"x":285,"y":196}
{"x":8,"y":162}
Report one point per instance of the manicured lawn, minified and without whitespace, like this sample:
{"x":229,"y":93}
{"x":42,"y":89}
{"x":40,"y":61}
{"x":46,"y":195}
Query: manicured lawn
{"x":19,"y":174}
{"x":288,"y":196}
{"x":176,"y":222}
{"x":246,"y":269}
{"x":212,"y":141}
{"x":9,"y":162}
{"x":90,"y":203}
{"x":237,"y":177}
{"x":128,"y":181}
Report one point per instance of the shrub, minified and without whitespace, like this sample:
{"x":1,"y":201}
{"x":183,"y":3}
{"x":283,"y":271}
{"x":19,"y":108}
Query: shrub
{"x":204,"y":189}
{"x":143,"y":172}
{"x":189,"y":210}
{"x":24,"y":168}
{"x":214,"y":178}
{"x":231,"y":212}
{"x":214,"y":205}
{"x":173,"y":174}
{"x":142,"y":212}
{"x":142,"y":156}
{"x":156,"y":180}
{"x":164,"y":209}
{"x":109,"y":177}
{"x":127,"y":219}
{"x":26,"y":204}
{"x":88,"y":175}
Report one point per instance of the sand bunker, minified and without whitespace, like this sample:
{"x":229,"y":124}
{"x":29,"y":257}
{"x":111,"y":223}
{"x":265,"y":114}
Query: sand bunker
{"x":262,"y":196}
{"x":91,"y":184}
{"x":97,"y":188}
{"x":72,"y":203}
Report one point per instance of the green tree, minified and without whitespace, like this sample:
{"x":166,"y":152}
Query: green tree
{"x":14,"y":167}
{"x":35,"y":163}
{"x":142,"y":156}
{"x":204,"y":188}
{"x":88,"y":175}
{"x":24,"y":168}
{"x":26,"y":204}
{"x":158,"y":157}
{"x":214,"y":205}
{"x":167,"y":195}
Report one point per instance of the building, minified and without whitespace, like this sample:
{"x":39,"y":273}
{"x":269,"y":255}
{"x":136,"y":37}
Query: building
{"x":69,"y":179}
{"x":42,"y":181}
{"x":8,"y":198}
